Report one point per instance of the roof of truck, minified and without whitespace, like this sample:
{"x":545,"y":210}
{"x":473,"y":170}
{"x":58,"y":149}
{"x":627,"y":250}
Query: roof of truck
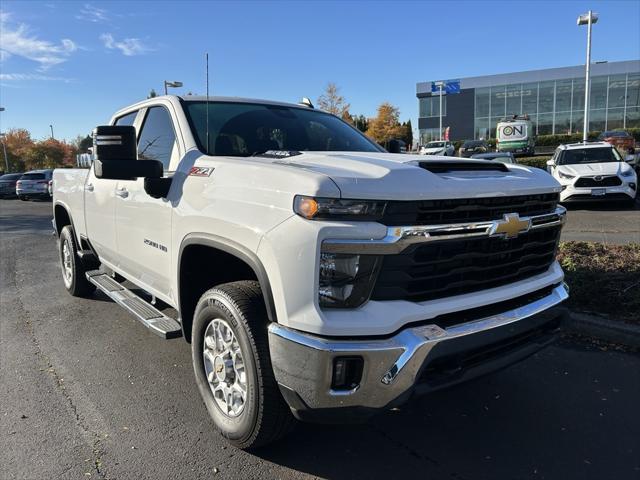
{"x":202,"y":98}
{"x":573,"y":146}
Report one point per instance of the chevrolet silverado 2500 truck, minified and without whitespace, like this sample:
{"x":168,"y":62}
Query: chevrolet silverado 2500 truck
{"x":315,"y":275}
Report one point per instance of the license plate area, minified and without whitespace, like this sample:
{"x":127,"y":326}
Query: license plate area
{"x":598,"y":192}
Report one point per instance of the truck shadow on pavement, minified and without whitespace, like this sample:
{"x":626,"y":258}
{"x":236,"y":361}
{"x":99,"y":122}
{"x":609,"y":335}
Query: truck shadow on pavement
{"x":538,"y":419}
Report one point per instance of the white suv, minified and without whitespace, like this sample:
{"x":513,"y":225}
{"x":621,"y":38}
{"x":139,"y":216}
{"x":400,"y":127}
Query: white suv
{"x":438,"y":148}
{"x":593,"y":171}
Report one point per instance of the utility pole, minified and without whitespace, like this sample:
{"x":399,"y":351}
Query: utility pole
{"x":51,"y":127}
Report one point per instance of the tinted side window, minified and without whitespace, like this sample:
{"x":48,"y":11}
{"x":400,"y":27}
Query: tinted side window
{"x":157,"y":139}
{"x":127,"y":119}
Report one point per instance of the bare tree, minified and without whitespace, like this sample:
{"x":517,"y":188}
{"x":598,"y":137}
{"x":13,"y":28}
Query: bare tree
{"x":331,"y":101}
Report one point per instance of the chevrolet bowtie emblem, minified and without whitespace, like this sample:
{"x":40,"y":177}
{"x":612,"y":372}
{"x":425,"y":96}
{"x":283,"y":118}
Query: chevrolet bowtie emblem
{"x":511,"y":225}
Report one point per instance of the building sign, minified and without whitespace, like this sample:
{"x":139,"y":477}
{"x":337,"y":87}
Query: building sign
{"x":449,"y":87}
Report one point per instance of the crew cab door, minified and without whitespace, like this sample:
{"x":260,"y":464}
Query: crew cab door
{"x":143,"y":223}
{"x":100,"y":208}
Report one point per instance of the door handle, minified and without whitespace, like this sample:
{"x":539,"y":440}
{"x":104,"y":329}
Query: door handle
{"x":122,"y":192}
{"x":89,"y":187}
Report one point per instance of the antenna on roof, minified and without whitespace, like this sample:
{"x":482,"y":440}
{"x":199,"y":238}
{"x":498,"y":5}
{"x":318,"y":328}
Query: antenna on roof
{"x":207,"y":61}
{"x":306,"y":102}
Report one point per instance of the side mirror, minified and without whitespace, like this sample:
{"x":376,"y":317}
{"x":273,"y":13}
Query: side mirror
{"x":116,"y":156}
{"x":394,"y":146}
{"x":550,"y":164}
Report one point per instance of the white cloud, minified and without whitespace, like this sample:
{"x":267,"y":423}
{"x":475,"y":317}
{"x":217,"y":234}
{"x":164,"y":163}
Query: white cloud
{"x":18,"y":40}
{"x":91,"y":13}
{"x":128,"y":46}
{"x":21,"y":77}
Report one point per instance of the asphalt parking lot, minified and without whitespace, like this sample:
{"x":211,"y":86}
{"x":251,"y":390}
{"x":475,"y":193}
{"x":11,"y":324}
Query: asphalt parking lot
{"x":87,"y":392}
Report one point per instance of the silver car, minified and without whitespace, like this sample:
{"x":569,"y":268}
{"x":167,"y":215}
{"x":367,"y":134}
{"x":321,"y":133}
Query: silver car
{"x":34,"y":184}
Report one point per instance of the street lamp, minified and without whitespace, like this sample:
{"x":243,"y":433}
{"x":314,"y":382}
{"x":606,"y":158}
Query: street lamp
{"x":51,"y":127}
{"x":172,"y":85}
{"x":4,"y":148}
{"x":440,"y":86}
{"x":588,"y":19}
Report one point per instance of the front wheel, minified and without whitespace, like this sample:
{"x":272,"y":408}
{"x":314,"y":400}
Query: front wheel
{"x":230,"y":354}
{"x":73,"y":271}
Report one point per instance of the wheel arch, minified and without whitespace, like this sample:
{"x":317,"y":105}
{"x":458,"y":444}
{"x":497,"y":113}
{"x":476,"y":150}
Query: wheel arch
{"x":222,"y":248}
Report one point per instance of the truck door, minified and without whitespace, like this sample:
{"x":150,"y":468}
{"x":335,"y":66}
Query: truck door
{"x":143,"y":223}
{"x":100,"y":208}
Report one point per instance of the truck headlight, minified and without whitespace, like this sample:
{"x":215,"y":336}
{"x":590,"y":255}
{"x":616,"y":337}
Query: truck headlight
{"x":627,"y":173}
{"x":313,"y":208}
{"x":346,"y":280}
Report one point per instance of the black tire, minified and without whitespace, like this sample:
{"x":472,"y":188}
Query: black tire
{"x":22,"y":197}
{"x":73,"y":274}
{"x":265,"y":416}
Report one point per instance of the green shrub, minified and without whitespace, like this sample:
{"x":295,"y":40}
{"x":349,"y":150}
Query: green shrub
{"x":539,"y":162}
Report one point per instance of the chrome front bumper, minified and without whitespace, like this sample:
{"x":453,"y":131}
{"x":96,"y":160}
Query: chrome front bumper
{"x":303,"y":363}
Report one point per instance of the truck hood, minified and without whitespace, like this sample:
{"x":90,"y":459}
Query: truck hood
{"x":388,"y":176}
{"x":591,"y":169}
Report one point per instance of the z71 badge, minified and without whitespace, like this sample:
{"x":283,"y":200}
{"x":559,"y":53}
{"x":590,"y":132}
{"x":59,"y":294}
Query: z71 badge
{"x":201,"y":171}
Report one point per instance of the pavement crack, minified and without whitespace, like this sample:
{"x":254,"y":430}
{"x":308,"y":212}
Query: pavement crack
{"x":95,"y":442}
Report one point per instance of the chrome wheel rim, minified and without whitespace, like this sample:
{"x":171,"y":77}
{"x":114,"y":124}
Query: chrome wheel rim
{"x":67,"y":267}
{"x":224,"y":367}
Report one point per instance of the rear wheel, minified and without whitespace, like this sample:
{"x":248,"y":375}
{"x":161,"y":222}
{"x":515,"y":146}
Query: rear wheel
{"x":22,"y":197}
{"x":73,"y":271}
{"x":230,"y":354}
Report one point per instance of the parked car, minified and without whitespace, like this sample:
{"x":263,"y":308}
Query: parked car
{"x":34,"y":184}
{"x":438,"y":148}
{"x":593,"y":171}
{"x":504,"y":157}
{"x":8,"y":184}
{"x":310,"y":283}
{"x":472,"y":147}
{"x":625,"y":144}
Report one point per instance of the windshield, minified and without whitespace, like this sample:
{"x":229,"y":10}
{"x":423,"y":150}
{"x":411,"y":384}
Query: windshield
{"x":33,"y":176}
{"x":435,"y":144}
{"x":615,"y":134}
{"x":589,"y":155}
{"x":11,"y":176}
{"x":245,"y":129}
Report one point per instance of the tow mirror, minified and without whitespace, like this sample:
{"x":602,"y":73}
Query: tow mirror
{"x":394,"y":146}
{"x":116,"y":155}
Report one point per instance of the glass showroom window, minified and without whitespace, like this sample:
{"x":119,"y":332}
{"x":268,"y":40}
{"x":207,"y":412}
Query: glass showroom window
{"x":615,"y":118}
{"x":597,"y":120}
{"x":530,"y":98}
{"x":563,"y":95}
{"x":617,"y":91}
{"x":577,"y":122}
{"x":514,"y":99}
{"x":545,"y":98}
{"x":598,"y":94}
{"x":483,"y":96}
{"x":497,"y":102}
{"x":578,"y":95}
{"x":545,"y":124}
{"x":562,"y":123}
{"x":430,"y":106}
{"x":632,"y":117}
{"x":481,"y":128}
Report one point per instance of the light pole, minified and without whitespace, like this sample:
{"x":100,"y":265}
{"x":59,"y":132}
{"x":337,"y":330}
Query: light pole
{"x":4,"y":148}
{"x":440,"y":84}
{"x":172,"y":85}
{"x":51,"y":127}
{"x":588,"y":19}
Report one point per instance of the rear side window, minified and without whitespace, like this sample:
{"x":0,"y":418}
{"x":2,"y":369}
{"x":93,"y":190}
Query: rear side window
{"x":11,"y":176}
{"x":33,"y":176}
{"x":157,"y":138}
{"x":127,"y":119}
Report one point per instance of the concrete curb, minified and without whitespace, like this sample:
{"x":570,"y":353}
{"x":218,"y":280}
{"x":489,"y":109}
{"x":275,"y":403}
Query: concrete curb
{"x":605,"y":329}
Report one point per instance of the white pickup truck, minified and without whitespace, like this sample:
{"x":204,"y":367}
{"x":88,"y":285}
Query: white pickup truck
{"x":315,"y":275}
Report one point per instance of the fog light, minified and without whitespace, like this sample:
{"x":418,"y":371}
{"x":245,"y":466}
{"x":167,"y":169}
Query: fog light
{"x":347,"y":373}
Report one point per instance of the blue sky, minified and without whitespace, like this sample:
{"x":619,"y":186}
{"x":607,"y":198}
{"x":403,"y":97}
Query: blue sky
{"x":73,"y":63}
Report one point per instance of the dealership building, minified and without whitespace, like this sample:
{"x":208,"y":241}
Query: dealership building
{"x":553,"y":98}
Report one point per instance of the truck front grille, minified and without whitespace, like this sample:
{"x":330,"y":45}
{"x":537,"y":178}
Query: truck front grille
{"x":434,"y":270}
{"x":612,"y":181}
{"x":460,"y":210}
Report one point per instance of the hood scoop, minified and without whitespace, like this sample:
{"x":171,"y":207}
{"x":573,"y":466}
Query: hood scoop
{"x":470,"y":166}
